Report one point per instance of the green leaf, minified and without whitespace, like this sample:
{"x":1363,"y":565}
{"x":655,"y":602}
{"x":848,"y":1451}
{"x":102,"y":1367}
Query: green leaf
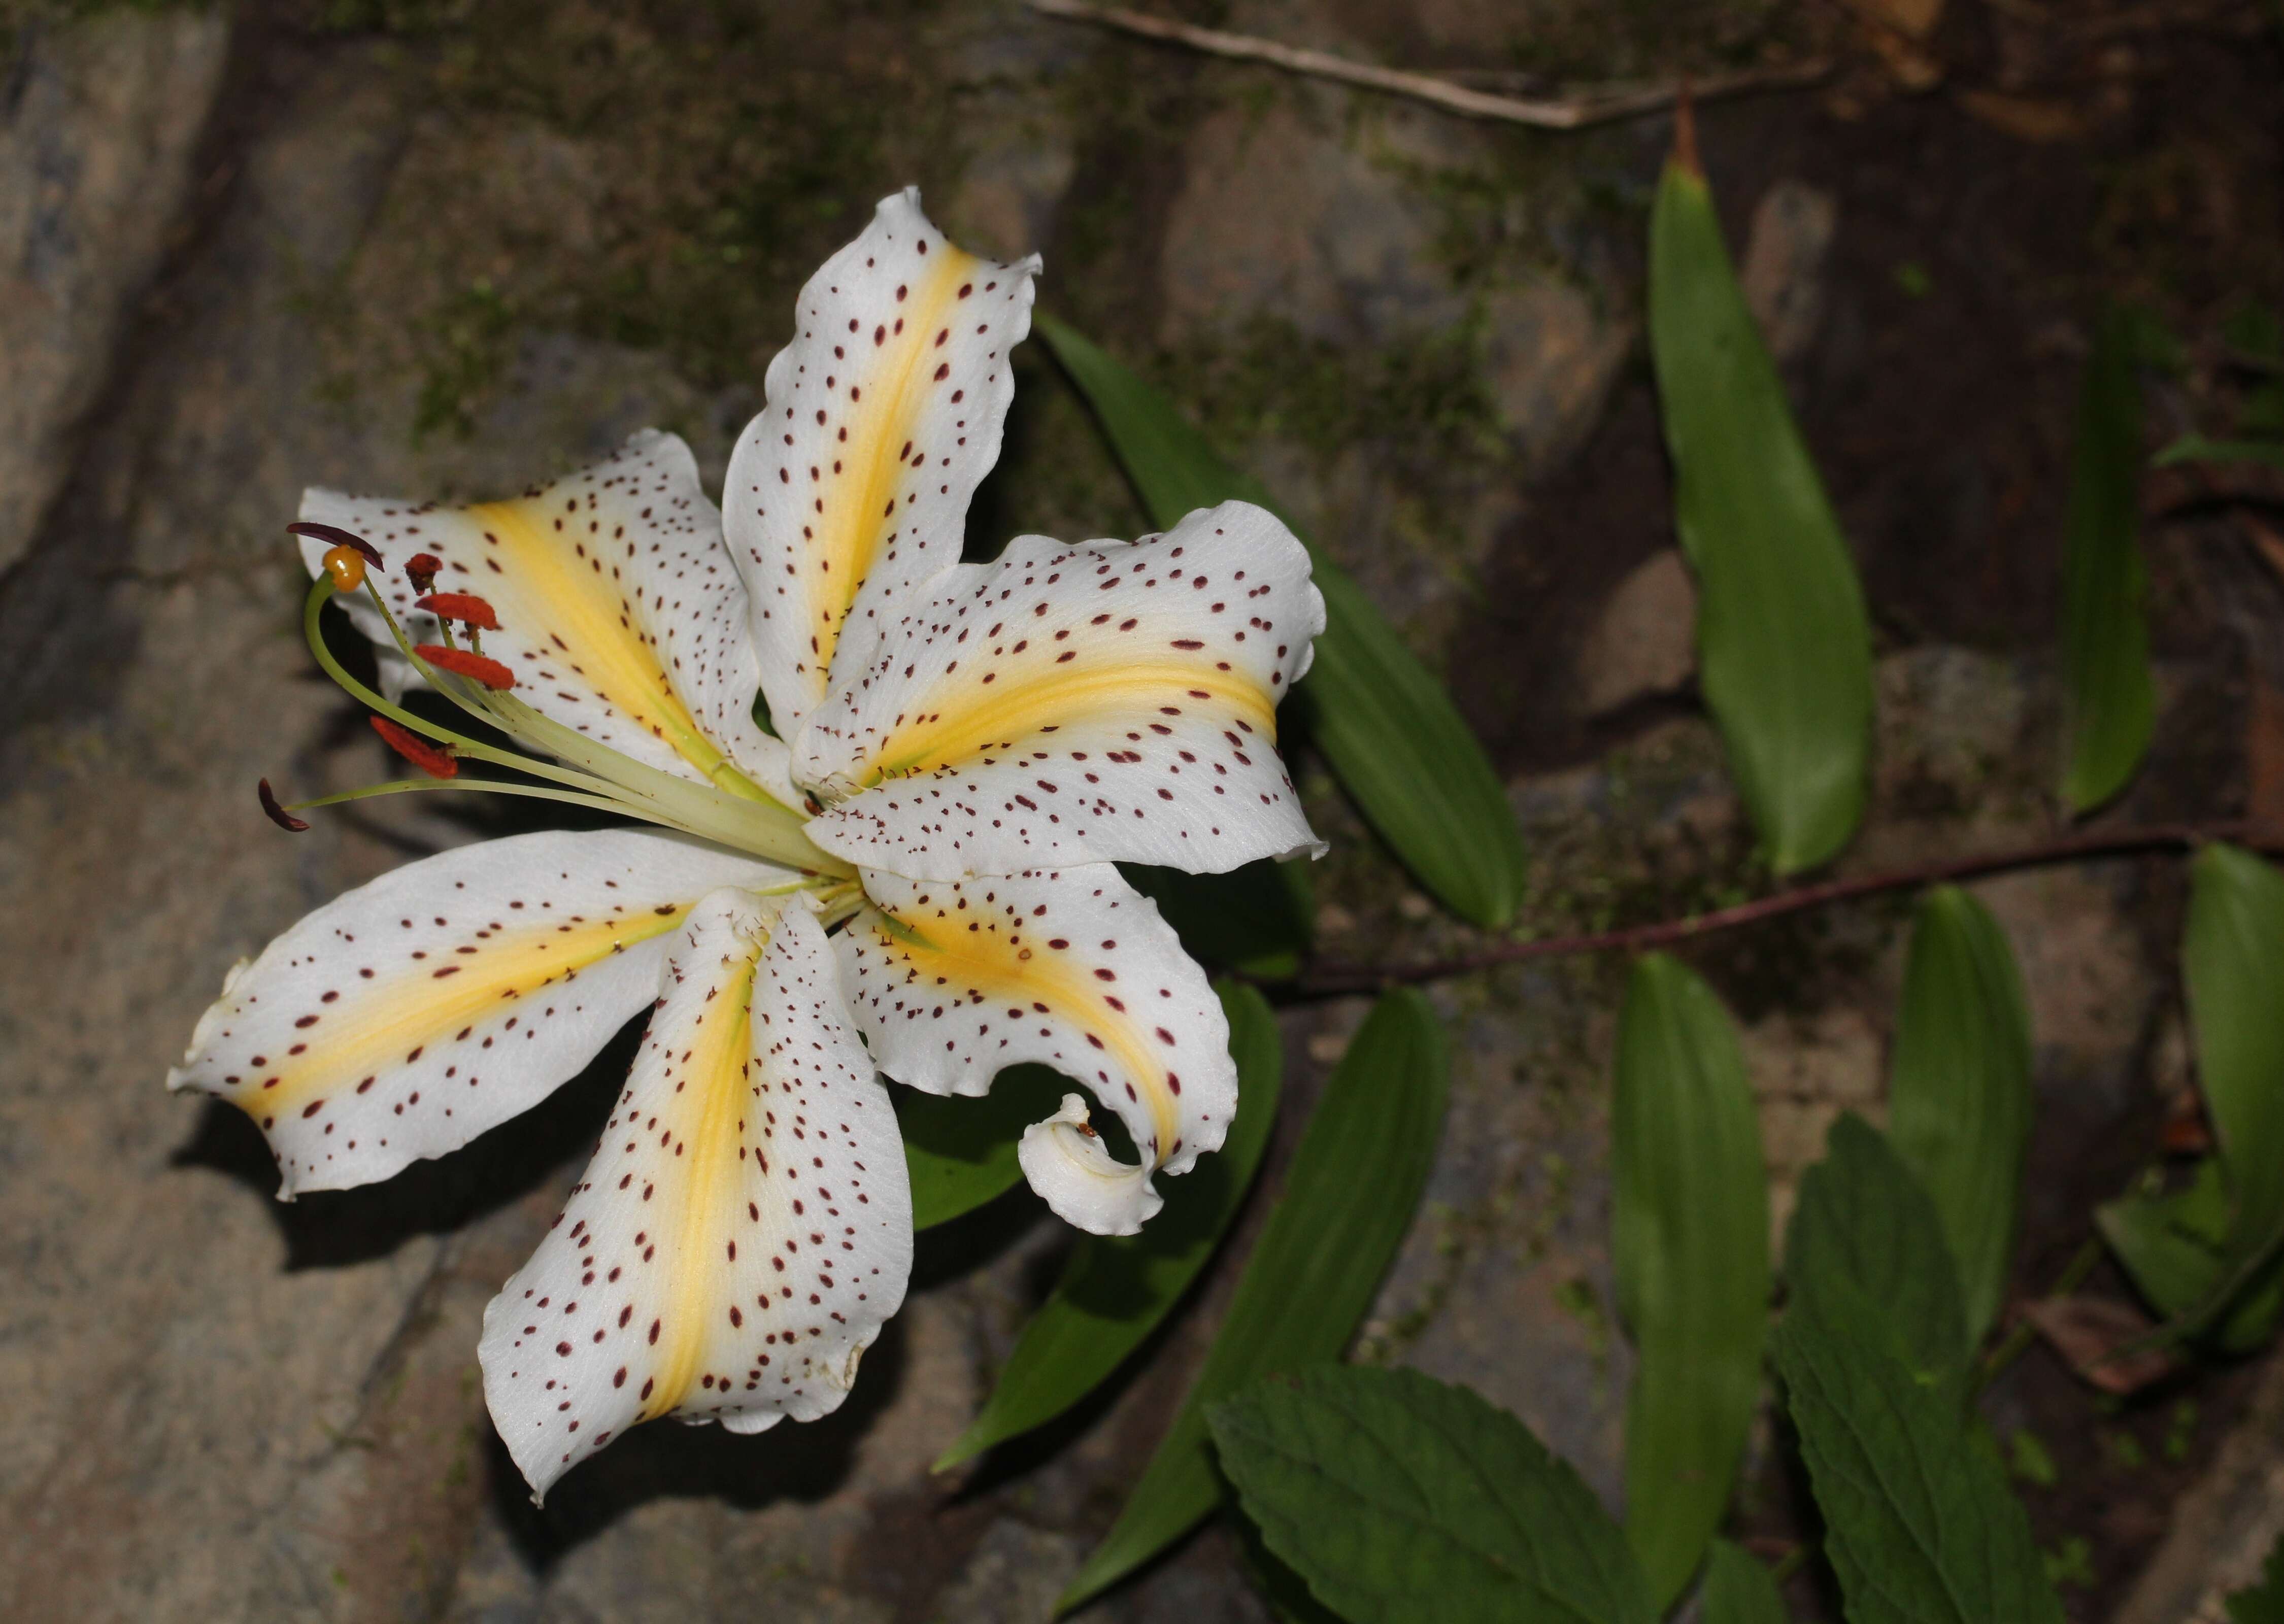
{"x":1691,"y":1223}
{"x":2232,"y":945}
{"x":2262,"y":1602}
{"x":1784,"y":644}
{"x":1398,"y":1498}
{"x":1918,"y":1523}
{"x":1348,"y":1201}
{"x":1861,"y":1223}
{"x":1383,"y":722}
{"x":1958,"y":1099}
{"x":2197,"y":449}
{"x":960,"y":1153}
{"x":1256,"y":920}
{"x":2112,"y":697}
{"x":1113,"y":1291}
{"x":2170,"y":1245}
{"x":1739,"y":1588}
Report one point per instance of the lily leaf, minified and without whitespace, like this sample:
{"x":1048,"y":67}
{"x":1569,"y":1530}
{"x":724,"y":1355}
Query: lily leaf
{"x":2113,"y":698}
{"x":1863,"y":1223}
{"x":1918,"y":1523}
{"x":1691,"y":1223}
{"x":2170,"y":1246}
{"x":1784,"y":643}
{"x":1739,"y":1588}
{"x":1256,"y":920}
{"x":2197,"y":449}
{"x":1114,"y":1291}
{"x":1385,"y":725}
{"x":1958,"y":1099}
{"x":1348,"y":1201}
{"x":1385,"y":1489}
{"x":960,"y":1153}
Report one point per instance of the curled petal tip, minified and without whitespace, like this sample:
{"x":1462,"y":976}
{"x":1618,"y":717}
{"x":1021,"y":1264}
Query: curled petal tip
{"x":276,"y":813}
{"x":436,"y":760}
{"x":460,"y":662}
{"x":463,"y":606}
{"x":337,"y":536}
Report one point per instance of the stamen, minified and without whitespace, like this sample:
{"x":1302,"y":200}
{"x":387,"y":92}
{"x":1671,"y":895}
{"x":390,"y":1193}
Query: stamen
{"x":437,"y":761}
{"x":421,"y":569}
{"x":340,"y":538}
{"x":460,"y":662}
{"x":276,"y":813}
{"x":465,"y":607}
{"x":345,"y":566}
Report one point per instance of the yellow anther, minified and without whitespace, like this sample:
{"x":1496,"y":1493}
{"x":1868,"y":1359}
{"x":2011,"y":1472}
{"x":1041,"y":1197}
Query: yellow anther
{"x":346,"y":565}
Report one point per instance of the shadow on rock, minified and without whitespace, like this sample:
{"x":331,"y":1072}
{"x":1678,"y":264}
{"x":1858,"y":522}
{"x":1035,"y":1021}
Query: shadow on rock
{"x":667,"y":1459}
{"x":334,"y":1229}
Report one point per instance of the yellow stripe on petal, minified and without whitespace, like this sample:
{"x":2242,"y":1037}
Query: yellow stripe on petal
{"x":954,"y":981}
{"x":1109,"y":703}
{"x":744,"y":1229}
{"x":881,"y":416}
{"x":407,"y":1016}
{"x":621,"y":613}
{"x":566,"y":600}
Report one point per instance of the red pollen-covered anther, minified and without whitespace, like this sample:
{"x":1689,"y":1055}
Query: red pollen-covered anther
{"x":436,"y":760}
{"x":276,"y":813}
{"x":475,"y":668}
{"x":421,"y":569}
{"x":333,"y":536}
{"x":465,"y":606}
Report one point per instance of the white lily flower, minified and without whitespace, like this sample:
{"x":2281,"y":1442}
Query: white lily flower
{"x":970,"y":749}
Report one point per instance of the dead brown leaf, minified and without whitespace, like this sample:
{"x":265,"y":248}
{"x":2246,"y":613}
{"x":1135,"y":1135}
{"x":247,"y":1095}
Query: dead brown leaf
{"x":2034,"y":118}
{"x":2086,"y":1331}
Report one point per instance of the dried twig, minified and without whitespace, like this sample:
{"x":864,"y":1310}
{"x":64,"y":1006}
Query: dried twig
{"x":1329,"y":979}
{"x":1574,"y":113}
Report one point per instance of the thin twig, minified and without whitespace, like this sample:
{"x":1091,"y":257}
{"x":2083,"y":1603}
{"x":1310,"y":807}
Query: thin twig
{"x":1329,"y":979}
{"x":1574,"y":113}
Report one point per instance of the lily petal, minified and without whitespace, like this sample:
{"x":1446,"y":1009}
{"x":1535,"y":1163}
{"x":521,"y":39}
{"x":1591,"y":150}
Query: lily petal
{"x":953,"y":981}
{"x":883,"y":415}
{"x":621,"y":613}
{"x":403,"y":1018}
{"x":1108,"y":702}
{"x":745,"y":1227}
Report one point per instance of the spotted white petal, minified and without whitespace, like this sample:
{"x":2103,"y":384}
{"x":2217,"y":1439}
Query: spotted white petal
{"x":403,"y":1018}
{"x":621,"y":613}
{"x":1110,"y":702}
{"x":950,"y":981}
{"x":745,"y":1227}
{"x":882,"y":416}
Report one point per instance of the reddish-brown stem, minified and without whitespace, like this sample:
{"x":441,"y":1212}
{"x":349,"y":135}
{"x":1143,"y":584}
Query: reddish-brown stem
{"x":1326,"y":980}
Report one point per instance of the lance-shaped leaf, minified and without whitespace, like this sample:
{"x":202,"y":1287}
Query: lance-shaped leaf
{"x":2171,"y":1244}
{"x":2112,"y":697}
{"x":1348,"y":1201}
{"x":1862,"y":1221}
{"x":2234,"y":942}
{"x":1958,"y":1100}
{"x":1691,"y":1225}
{"x":1919,"y":1524}
{"x":960,"y":1153}
{"x":1386,"y":725}
{"x":1114,"y":1291}
{"x":1739,"y":1588}
{"x":2197,"y":449}
{"x":1387,"y":1489}
{"x":1783,"y":641}
{"x":1256,"y":920}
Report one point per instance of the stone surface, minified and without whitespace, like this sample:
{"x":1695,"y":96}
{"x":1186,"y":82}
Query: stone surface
{"x":1783,"y":268}
{"x":1643,"y":643}
{"x":97,"y":131}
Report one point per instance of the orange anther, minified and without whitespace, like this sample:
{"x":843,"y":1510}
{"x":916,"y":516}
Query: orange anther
{"x":436,"y":760}
{"x":465,"y":606}
{"x":475,"y":668}
{"x":421,"y":569}
{"x":346,"y":565}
